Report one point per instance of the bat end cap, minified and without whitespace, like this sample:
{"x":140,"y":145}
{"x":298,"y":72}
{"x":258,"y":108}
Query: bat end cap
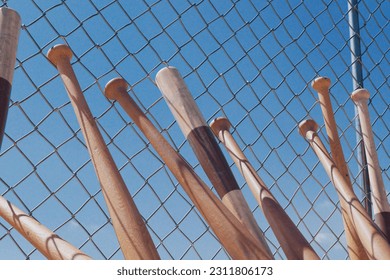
{"x":115,"y":87}
{"x":166,"y":72}
{"x":59,"y":51}
{"x":307,"y":125}
{"x":360,"y":94}
{"x":10,"y":14}
{"x":218,"y":124}
{"x":321,"y":84}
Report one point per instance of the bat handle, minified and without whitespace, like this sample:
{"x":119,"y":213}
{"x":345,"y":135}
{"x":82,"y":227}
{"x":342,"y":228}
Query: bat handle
{"x":322,"y":85}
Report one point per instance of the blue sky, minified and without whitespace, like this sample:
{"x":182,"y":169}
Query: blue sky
{"x":251,"y":61}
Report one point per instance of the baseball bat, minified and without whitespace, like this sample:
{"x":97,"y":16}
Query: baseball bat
{"x":133,"y":236}
{"x":374,"y":242}
{"x":46,"y":241}
{"x":9,"y":35}
{"x":236,"y":239}
{"x":205,"y":147}
{"x":380,"y":203}
{"x":293,"y":243}
{"x":322,"y":85}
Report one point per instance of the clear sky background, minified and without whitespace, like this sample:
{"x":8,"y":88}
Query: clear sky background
{"x":251,"y":61}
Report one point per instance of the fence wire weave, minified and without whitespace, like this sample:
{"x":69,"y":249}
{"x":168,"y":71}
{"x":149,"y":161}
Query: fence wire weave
{"x":251,"y":61}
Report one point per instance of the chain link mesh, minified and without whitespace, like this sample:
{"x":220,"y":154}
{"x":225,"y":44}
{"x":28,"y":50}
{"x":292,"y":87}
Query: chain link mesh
{"x":251,"y":61}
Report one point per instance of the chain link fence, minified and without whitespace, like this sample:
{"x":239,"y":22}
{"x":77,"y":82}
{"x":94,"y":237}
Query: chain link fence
{"x":251,"y":61}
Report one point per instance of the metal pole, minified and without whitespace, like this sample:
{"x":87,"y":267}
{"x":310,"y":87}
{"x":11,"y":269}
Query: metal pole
{"x":357,"y":81}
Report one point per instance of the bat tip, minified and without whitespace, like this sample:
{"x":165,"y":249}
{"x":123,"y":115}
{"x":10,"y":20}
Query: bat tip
{"x":115,"y":87}
{"x":6,"y":11}
{"x":307,"y":125}
{"x":58,"y":51}
{"x":218,"y":124}
{"x":320,"y":84}
{"x":360,"y":94}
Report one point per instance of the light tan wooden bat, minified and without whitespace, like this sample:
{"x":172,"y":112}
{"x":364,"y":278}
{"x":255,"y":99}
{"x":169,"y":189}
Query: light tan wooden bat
{"x":133,"y":236}
{"x":205,"y":147}
{"x":380,"y":203}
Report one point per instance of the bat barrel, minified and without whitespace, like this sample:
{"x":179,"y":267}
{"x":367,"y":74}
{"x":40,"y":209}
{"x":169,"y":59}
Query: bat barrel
{"x":372,"y":239}
{"x":10,"y":23}
{"x":133,"y":237}
{"x":46,"y":241}
{"x":196,"y":130}
{"x":235,"y":238}
{"x":293,"y":243}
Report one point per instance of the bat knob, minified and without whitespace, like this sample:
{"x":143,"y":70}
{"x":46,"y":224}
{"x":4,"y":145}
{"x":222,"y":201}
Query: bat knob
{"x":219,"y":124}
{"x":115,"y":88}
{"x":321,"y":84}
{"x":306,"y":126}
{"x":360,"y":94}
{"x":58,"y":52}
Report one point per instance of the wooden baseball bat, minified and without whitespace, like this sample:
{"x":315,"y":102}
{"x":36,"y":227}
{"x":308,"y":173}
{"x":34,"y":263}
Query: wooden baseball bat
{"x":205,"y":147}
{"x":9,"y":35}
{"x":380,"y":203}
{"x":133,"y":236}
{"x":322,"y":85}
{"x":374,"y":242}
{"x":293,"y":243}
{"x":46,"y":241}
{"x":235,"y":238}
